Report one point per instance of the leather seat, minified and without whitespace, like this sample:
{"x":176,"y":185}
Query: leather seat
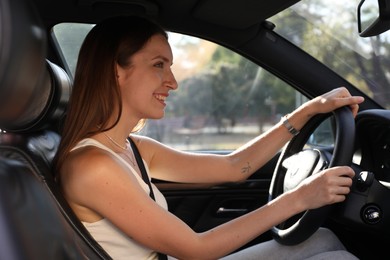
{"x":36,"y":222}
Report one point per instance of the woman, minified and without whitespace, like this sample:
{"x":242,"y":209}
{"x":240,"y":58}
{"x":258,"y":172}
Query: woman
{"x":123,"y":77}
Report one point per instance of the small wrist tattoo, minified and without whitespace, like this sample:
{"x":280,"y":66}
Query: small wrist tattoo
{"x":246,"y":169}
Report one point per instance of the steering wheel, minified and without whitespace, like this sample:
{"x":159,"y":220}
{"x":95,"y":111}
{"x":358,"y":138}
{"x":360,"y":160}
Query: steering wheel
{"x":296,"y":163}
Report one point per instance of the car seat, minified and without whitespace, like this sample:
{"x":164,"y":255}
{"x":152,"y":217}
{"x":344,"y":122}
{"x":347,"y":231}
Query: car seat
{"x":36,"y":222}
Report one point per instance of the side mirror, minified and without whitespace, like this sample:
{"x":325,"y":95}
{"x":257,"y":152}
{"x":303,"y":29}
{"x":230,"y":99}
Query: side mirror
{"x":373,"y":17}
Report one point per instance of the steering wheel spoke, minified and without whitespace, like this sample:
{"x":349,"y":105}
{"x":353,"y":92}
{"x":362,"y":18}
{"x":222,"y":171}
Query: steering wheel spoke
{"x":300,"y":166}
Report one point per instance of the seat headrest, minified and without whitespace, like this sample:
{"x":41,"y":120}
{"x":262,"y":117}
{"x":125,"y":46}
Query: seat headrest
{"x":30,"y":86}
{"x":46,"y":103}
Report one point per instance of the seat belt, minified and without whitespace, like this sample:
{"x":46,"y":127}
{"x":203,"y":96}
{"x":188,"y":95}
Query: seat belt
{"x":145,"y":177}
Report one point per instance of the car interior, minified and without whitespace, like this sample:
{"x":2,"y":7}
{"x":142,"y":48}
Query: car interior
{"x":36,"y":222}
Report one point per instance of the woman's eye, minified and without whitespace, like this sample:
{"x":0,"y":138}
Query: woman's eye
{"x":159,"y":65}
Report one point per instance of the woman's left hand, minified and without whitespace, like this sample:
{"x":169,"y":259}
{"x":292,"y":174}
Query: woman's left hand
{"x":334,"y":99}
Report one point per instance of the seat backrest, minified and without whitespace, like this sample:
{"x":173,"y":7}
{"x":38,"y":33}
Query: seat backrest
{"x":25,"y":233}
{"x":36,"y":222}
{"x":32,"y":206}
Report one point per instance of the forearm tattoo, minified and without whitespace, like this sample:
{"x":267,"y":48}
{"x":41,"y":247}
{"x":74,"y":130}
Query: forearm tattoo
{"x":246,"y":169}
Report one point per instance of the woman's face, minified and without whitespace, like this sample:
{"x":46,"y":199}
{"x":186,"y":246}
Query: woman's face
{"x":146,"y":83}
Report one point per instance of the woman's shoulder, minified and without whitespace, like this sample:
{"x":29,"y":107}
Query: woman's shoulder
{"x":84,"y":178}
{"x":87,"y":162}
{"x":89,"y":152}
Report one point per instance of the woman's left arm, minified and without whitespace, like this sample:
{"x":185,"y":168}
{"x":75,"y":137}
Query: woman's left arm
{"x":169,"y":164}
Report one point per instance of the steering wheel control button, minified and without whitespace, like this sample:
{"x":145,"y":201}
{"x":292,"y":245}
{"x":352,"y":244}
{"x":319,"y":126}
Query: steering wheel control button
{"x":364,"y":180}
{"x":371,"y":214}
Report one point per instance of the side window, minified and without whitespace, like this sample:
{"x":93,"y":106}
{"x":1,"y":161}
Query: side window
{"x":69,"y":37}
{"x":223,"y":99}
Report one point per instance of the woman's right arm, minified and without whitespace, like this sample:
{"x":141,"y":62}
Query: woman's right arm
{"x":99,"y":184}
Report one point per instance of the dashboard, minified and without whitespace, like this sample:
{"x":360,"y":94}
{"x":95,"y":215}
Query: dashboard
{"x":373,"y":142}
{"x":367,"y":206}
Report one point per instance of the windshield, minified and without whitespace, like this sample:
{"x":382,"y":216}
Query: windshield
{"x":327,"y":30}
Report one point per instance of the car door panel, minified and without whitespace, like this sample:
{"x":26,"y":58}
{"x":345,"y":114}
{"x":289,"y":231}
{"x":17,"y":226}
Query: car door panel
{"x":203,"y":207}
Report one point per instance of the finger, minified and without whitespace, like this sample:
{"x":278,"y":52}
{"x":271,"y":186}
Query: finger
{"x":343,"y":171}
{"x":343,"y":190}
{"x":354,"y":109}
{"x":339,"y":193}
{"x":345,"y":182}
{"x":353,"y":103}
{"x":338,"y":198}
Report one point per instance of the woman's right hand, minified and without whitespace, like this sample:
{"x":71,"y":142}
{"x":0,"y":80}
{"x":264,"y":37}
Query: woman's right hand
{"x":326,"y":187}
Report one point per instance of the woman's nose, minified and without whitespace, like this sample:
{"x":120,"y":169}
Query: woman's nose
{"x":171,"y":81}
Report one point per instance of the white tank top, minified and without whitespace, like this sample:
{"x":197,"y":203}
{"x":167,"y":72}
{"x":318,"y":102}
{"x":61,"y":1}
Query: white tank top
{"x":116,"y":243}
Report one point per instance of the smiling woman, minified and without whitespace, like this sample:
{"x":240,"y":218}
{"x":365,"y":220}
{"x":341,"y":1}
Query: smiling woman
{"x":126,"y":79}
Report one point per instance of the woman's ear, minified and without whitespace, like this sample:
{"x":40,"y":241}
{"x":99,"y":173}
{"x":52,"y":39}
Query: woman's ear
{"x":123,"y":74}
{"x":117,"y":70}
{"x":120,"y":74}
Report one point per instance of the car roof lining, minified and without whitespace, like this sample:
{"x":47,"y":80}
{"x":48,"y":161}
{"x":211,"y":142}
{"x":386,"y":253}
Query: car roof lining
{"x":232,"y":13}
{"x":197,"y":17}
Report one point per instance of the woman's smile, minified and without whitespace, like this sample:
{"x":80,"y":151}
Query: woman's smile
{"x":161,"y":98}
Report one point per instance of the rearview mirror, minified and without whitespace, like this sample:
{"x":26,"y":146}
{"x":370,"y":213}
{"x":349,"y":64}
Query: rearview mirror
{"x":373,"y":17}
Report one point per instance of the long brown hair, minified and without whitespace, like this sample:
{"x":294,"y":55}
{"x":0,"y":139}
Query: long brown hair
{"x":96,"y":95}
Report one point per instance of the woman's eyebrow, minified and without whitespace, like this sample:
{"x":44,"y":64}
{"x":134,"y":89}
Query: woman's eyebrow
{"x":163,"y":58}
